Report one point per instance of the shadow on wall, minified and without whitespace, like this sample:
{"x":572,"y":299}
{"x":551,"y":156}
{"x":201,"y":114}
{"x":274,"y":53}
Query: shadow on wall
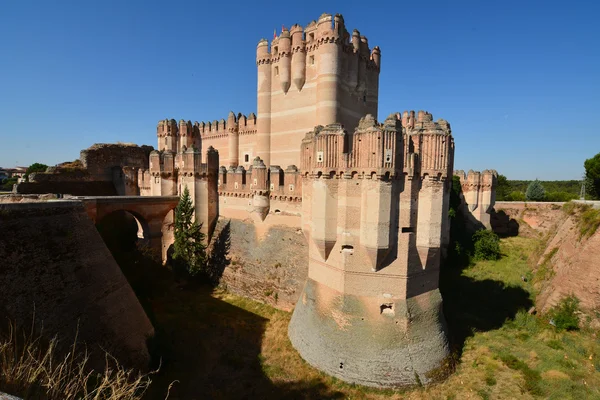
{"x":503,"y":225}
{"x":218,"y":258}
{"x":210,"y":347}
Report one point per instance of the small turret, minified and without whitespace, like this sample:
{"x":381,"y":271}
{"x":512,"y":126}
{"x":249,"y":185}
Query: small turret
{"x":298,"y":57}
{"x":376,"y":56}
{"x":262,"y":52}
{"x":285,"y":60}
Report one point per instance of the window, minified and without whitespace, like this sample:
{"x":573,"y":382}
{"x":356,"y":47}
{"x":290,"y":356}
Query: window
{"x":319,"y":156}
{"x":291,"y":188}
{"x":246,"y":157}
{"x":275,"y":50}
{"x":311,"y":60}
{"x":276,"y":71}
{"x":311,"y":36}
{"x":365,"y":99}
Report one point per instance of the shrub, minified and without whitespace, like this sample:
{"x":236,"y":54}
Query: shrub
{"x":561,"y":196}
{"x":486,"y":245}
{"x":589,"y":222}
{"x":535,"y":191}
{"x":564,"y":314}
{"x":515,"y":196}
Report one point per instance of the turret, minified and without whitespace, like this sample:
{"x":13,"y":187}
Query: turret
{"x":298,"y":57}
{"x":263,"y":129}
{"x":167,"y":134}
{"x":376,"y":56}
{"x":283,"y":65}
{"x":234,"y":139}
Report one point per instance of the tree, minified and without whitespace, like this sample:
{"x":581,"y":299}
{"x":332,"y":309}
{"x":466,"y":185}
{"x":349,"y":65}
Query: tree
{"x":535,"y":191}
{"x":502,"y":188}
{"x":189,"y":248}
{"x":592,"y":174}
{"x":35,"y":167}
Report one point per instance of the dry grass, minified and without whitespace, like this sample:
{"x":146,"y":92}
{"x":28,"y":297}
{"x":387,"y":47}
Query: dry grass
{"x":32,"y":368}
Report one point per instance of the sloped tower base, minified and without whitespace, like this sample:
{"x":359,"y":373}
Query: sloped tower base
{"x":363,"y":340}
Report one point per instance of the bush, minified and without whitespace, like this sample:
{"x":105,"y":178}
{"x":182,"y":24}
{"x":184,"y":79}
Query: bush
{"x":535,"y":191}
{"x":486,"y":245}
{"x":564,"y":314}
{"x":515,"y":196}
{"x":561,"y":196}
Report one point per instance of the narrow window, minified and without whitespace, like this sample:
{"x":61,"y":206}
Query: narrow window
{"x":311,"y":60}
{"x":291,"y":188}
{"x":275,"y":50}
{"x":312,"y":36}
{"x":246,"y":157}
{"x":276,"y":71}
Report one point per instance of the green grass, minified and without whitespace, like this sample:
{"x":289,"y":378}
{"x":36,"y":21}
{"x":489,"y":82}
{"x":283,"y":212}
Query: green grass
{"x":221,"y":346}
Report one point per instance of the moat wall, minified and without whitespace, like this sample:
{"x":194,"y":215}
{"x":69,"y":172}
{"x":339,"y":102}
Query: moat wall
{"x":267,"y":261}
{"x":55,"y":267}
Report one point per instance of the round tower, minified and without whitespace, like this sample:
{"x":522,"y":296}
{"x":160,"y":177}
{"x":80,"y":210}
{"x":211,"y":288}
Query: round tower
{"x":285,"y":60}
{"x":328,"y":57}
{"x":234,"y":139}
{"x":298,"y":57}
{"x":263,"y":123}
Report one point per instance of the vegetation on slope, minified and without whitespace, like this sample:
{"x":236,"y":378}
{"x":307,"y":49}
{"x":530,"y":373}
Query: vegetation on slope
{"x":33,"y":369}
{"x":221,"y":346}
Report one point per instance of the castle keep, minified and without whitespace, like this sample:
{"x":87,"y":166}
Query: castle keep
{"x":371,"y":199}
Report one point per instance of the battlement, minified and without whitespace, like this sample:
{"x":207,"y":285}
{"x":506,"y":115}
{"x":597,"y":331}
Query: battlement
{"x":327,"y":29}
{"x":380,"y":150}
{"x":167,"y":163}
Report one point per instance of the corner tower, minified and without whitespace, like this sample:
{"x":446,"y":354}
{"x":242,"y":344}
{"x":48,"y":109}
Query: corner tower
{"x":317,"y":75}
{"x":373,"y":211}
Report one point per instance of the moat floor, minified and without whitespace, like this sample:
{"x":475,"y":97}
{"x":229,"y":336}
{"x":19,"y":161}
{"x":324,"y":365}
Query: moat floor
{"x":215,"y":345}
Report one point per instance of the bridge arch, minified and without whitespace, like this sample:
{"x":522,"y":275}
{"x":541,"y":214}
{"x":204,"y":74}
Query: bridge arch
{"x":122,"y":230}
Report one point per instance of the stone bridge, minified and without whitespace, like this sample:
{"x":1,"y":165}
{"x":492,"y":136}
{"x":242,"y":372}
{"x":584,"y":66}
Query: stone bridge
{"x":149,"y":211}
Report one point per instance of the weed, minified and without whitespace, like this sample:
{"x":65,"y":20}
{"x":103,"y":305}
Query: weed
{"x":564,"y":314}
{"x":34,"y":369}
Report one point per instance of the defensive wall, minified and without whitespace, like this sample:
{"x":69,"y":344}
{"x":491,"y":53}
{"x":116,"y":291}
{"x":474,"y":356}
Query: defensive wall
{"x":56,"y":270}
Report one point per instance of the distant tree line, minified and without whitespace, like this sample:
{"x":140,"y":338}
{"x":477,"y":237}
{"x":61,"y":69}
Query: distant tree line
{"x":515,"y":190}
{"x":509,"y":190}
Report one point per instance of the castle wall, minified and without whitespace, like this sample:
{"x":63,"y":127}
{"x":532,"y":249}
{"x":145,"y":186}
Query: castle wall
{"x":101,"y":159}
{"x":55,"y":266}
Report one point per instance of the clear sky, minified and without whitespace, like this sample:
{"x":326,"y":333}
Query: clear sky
{"x":519,"y":81}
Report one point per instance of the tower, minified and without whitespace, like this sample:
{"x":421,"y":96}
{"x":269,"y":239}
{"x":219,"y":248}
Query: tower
{"x":373,"y":214}
{"x":318,"y":75}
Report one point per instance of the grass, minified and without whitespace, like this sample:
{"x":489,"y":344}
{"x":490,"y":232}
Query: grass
{"x":34,"y":369}
{"x":221,"y":346}
{"x":588,"y":218}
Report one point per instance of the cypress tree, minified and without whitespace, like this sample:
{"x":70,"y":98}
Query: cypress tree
{"x":535,"y":191}
{"x":189,"y":248}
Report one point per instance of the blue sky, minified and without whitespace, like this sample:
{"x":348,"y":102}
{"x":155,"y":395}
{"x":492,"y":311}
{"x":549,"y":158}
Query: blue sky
{"x":519,"y":81}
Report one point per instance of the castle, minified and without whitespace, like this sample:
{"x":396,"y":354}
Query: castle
{"x":372,"y":199}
